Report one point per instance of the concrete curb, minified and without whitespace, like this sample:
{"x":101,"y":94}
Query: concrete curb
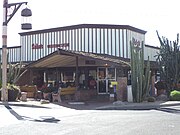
{"x":113,"y":106}
{"x":139,"y":106}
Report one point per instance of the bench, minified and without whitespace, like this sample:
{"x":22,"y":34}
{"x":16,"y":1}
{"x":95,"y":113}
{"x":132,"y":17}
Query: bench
{"x":68,"y":92}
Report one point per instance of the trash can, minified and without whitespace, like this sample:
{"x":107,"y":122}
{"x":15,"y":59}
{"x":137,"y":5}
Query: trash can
{"x":23,"y":96}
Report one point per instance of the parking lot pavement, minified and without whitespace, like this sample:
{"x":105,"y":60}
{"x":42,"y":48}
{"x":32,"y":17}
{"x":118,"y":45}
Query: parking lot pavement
{"x":12,"y":112}
{"x":6,"y":117}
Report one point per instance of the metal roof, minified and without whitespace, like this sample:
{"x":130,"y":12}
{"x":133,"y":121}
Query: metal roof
{"x":66,"y":58}
{"x":101,"y":26}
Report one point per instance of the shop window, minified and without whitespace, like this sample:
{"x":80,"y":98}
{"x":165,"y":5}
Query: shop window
{"x":68,"y":76}
{"x":82,"y":81}
{"x":92,"y":79}
{"x":102,"y":73}
{"x":92,"y":73}
{"x":52,"y":77}
{"x":111,"y":73}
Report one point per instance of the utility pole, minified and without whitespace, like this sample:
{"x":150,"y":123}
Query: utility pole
{"x":6,"y":19}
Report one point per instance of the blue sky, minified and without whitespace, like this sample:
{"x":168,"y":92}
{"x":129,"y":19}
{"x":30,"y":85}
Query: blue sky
{"x":148,"y":15}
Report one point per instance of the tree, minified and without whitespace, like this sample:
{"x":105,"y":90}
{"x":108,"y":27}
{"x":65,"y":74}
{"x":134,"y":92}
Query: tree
{"x":168,"y":60}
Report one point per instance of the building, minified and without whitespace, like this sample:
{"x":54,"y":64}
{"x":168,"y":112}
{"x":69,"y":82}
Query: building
{"x":79,"y":54}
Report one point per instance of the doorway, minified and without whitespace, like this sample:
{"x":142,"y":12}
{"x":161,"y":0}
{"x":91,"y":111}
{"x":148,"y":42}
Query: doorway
{"x":104,"y":77}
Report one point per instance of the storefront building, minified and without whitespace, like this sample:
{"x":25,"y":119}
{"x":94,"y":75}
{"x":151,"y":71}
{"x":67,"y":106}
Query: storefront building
{"x":89,"y":55}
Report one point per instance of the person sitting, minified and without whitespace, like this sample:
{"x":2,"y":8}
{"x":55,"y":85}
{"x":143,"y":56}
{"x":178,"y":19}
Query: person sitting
{"x":92,"y":84}
{"x":40,"y":90}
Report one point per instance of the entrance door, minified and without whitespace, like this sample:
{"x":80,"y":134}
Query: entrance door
{"x":105,"y":76}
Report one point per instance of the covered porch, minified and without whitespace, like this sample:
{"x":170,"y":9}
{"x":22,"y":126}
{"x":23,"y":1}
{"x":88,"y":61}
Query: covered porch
{"x":88,"y":74}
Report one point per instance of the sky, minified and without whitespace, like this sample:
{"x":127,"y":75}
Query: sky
{"x":148,"y":15}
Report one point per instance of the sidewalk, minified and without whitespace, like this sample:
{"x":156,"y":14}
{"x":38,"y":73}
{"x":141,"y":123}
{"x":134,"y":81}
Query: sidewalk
{"x":139,"y":106}
{"x":95,"y":105}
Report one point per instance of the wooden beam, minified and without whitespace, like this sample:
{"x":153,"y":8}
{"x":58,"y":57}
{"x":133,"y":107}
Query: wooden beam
{"x":77,"y":76}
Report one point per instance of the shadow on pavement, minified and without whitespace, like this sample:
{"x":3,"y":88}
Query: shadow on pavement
{"x":174,"y":104}
{"x":169,"y":110}
{"x":47,"y":119}
{"x":24,"y":105}
{"x":13,"y":112}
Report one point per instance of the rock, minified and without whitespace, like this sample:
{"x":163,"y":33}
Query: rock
{"x":44,"y":101}
{"x":118,"y":103}
{"x":151,"y":99}
{"x":162,"y":97}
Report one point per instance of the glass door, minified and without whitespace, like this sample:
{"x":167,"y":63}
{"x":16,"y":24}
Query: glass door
{"x":101,"y":80}
{"x":111,"y":77}
{"x":105,"y":76}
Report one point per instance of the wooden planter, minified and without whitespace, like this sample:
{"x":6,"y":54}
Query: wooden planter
{"x":31,"y":90}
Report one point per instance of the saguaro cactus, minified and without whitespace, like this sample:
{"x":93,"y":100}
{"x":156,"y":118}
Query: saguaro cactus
{"x":140,"y":79}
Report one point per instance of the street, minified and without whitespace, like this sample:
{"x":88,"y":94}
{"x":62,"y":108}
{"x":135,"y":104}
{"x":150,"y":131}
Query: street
{"x":59,"y":120}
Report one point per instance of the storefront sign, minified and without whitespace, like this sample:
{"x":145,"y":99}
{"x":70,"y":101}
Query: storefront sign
{"x":41,"y":46}
{"x":90,"y":62}
{"x":58,"y":45}
{"x":37,"y":46}
{"x":136,"y":42}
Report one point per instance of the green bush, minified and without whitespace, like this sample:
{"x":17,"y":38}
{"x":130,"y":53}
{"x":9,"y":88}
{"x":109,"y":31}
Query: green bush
{"x":175,"y":95}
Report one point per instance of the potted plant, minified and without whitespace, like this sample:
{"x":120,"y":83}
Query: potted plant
{"x":13,"y":92}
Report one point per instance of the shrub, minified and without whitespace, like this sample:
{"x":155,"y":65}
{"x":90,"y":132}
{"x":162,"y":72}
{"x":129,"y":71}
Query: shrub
{"x":175,"y":95}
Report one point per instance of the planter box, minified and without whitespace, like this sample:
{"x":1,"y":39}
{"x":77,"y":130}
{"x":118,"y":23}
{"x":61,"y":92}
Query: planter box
{"x":68,"y":91}
{"x":31,"y":90}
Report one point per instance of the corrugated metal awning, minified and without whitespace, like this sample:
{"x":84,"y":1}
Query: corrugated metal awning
{"x":66,"y":58}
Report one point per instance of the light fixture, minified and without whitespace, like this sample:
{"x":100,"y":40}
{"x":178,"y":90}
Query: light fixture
{"x":26,"y":19}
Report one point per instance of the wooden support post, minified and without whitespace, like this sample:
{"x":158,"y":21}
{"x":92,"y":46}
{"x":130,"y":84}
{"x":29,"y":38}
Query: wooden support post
{"x":77,"y":76}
